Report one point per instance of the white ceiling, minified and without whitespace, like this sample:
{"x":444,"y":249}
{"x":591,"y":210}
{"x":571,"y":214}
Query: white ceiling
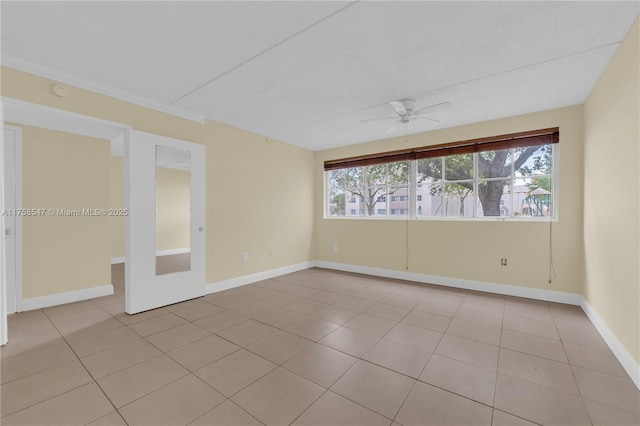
{"x":308,"y":72}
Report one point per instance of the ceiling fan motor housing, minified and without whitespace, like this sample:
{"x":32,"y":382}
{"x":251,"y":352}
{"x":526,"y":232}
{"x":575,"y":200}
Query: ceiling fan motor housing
{"x":408,"y":104}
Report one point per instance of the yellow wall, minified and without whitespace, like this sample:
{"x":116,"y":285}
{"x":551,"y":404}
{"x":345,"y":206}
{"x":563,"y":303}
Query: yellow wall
{"x":266,"y":198}
{"x":173,"y":209}
{"x":173,"y":223}
{"x":64,"y":171}
{"x":259,"y":193}
{"x":117,"y":202}
{"x":611,"y":195}
{"x":469,"y":249}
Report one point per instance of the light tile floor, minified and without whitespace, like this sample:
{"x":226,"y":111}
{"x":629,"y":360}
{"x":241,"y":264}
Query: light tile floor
{"x":314,"y":347}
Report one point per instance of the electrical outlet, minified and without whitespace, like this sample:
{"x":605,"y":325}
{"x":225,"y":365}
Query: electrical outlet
{"x":245,"y":257}
{"x":503,"y":261}
{"x":335,"y":247}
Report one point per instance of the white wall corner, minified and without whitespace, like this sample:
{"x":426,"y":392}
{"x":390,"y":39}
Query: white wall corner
{"x":66,"y":297}
{"x":628,"y":362}
{"x":259,"y":276}
{"x":116,"y":260}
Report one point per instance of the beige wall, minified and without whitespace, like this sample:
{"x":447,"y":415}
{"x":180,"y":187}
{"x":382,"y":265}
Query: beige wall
{"x":64,"y":171}
{"x":173,"y":209}
{"x":173,"y":221}
{"x":117,"y":202}
{"x":266,"y":198}
{"x":611,"y":194}
{"x":259,"y":193}
{"x":469,"y":249}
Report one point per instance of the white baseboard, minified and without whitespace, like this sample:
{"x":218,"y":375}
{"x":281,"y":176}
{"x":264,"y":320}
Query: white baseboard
{"x":173,"y":251}
{"x":628,"y":363}
{"x":259,"y":276}
{"x":116,"y":260}
{"x":66,"y":297}
{"x":622,"y":354}
{"x":509,"y":290}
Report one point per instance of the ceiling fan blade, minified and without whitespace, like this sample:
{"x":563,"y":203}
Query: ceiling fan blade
{"x":434,"y":108}
{"x":400,"y":109}
{"x":379,"y":118}
{"x":420,"y":117}
{"x":393,"y":127}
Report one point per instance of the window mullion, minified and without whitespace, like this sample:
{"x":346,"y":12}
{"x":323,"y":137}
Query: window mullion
{"x":442,"y":188}
{"x":475,"y":184}
{"x":413,"y":190}
{"x":365,"y":186}
{"x":327,"y":194}
{"x":513,"y":184}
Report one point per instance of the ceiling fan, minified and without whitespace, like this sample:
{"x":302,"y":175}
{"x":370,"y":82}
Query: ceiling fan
{"x":406,"y":112}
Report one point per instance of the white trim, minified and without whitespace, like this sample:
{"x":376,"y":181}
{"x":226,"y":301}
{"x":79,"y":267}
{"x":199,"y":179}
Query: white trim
{"x":116,"y":260}
{"x":16,"y":291}
{"x":37,"y":115}
{"x":103,"y":89}
{"x":510,"y":290}
{"x":18,"y":197}
{"x":259,"y":276}
{"x":66,"y":297}
{"x":173,"y":251}
{"x":622,"y":354}
{"x":628,"y":363}
{"x":3,"y":268}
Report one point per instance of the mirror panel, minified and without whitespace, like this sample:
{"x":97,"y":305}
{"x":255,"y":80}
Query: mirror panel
{"x":173,"y":210}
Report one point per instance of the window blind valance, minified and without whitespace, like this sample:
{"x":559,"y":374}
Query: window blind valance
{"x":493,"y":143}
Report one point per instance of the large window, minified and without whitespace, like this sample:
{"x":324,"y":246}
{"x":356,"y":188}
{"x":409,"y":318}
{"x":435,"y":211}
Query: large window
{"x":368,"y":186}
{"x":511,"y":176}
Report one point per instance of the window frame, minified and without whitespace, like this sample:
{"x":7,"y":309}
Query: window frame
{"x":523,"y":139}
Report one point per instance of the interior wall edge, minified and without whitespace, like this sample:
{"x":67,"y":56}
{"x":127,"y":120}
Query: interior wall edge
{"x":619,"y":350}
{"x":120,"y":94}
{"x":65,"y":297}
{"x":230,"y":283}
{"x":505,"y":289}
{"x":266,"y":163}
{"x":622,"y":354}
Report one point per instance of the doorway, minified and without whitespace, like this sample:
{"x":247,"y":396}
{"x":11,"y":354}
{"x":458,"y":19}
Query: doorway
{"x":191,"y":263}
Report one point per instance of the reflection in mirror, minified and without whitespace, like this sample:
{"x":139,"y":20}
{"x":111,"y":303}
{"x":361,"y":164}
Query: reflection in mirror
{"x":173,"y":210}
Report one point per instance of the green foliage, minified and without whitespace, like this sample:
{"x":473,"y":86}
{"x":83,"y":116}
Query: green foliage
{"x":371,"y":183}
{"x":491,"y":164}
{"x":447,"y":176}
{"x":337,"y":204}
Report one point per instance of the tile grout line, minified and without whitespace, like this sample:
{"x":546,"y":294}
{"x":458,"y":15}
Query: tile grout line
{"x":307,"y":316}
{"x":91,"y":375}
{"x":495,"y":386}
{"x":93,"y":380}
{"x":573,"y":374}
{"x":427,"y":363}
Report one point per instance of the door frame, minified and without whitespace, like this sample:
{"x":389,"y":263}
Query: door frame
{"x":13,"y":272}
{"x":31,"y":114}
{"x":3,"y":279}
